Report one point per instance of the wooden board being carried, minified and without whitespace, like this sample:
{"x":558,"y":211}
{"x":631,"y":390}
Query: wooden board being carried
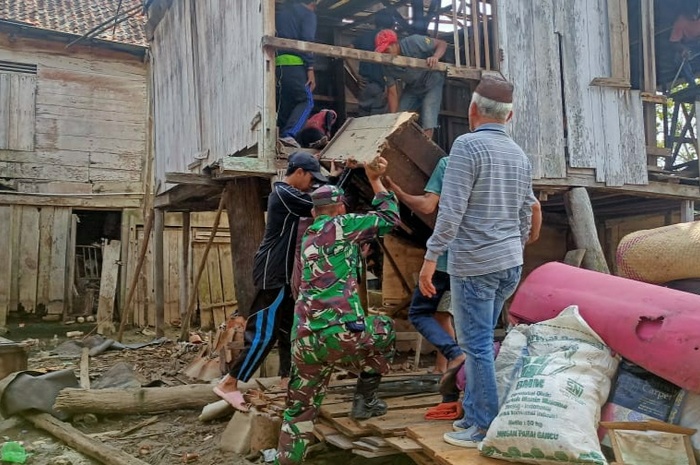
{"x":398,"y":138}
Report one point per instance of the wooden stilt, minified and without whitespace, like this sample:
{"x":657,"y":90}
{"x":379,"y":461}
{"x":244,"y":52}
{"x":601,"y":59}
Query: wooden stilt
{"x":184,"y":332}
{"x":246,"y":221}
{"x":582,"y":222}
{"x":135,"y":278}
{"x":687,"y":211}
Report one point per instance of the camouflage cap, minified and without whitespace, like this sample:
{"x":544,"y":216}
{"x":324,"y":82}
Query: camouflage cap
{"x":327,"y":195}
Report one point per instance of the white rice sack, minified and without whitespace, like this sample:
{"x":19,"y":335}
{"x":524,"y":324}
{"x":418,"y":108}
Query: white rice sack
{"x":509,"y":361}
{"x":690,"y":418}
{"x":552,"y":411}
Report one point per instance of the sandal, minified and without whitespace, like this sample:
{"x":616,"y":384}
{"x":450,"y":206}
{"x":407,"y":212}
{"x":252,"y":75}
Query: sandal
{"x":234,"y":398}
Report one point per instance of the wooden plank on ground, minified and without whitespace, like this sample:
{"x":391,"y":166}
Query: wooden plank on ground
{"x":108,"y":287}
{"x":394,"y":403}
{"x":375,"y":454}
{"x":404,"y":444}
{"x":5,"y":261}
{"x":350,"y":427}
{"x":395,"y":421}
{"x":339,"y":440}
{"x":28,"y":258}
{"x":430,"y":437}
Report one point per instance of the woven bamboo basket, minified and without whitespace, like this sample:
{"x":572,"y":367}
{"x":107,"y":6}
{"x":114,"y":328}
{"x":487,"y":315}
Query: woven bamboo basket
{"x":662,"y":254}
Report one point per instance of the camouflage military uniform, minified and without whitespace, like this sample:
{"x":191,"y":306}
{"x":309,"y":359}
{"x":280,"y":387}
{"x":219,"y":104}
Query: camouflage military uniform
{"x":328,"y":301}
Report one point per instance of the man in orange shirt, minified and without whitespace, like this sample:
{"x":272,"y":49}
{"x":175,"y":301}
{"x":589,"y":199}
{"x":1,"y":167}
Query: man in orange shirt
{"x":684,"y":37}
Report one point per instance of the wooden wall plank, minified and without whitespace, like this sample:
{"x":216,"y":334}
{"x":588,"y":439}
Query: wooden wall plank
{"x":532,"y":63}
{"x":215,"y":285}
{"x":227,"y":280}
{"x":4,"y":110}
{"x":61,"y":238}
{"x":610,"y":166}
{"x":28,"y":258}
{"x":6,"y":226}
{"x":14,"y":245}
{"x":22,"y":117}
{"x":108,"y":286}
{"x":172,"y":291}
{"x":46,"y":232}
{"x":203,"y":295}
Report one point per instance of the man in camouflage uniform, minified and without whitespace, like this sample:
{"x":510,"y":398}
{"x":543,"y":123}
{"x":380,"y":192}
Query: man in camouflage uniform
{"x":330,"y":327}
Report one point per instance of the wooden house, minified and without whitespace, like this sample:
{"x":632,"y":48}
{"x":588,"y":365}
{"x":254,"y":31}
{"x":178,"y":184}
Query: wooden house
{"x":587,"y":95}
{"x":74,"y":144}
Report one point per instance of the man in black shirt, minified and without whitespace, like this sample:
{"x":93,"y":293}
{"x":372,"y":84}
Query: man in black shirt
{"x":272,"y":311}
{"x":372,"y":99}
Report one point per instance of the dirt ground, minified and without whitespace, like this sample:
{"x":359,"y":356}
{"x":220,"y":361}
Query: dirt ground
{"x":174,"y":436}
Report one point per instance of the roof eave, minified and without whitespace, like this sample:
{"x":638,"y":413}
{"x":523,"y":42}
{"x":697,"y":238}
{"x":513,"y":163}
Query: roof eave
{"x":60,"y":36}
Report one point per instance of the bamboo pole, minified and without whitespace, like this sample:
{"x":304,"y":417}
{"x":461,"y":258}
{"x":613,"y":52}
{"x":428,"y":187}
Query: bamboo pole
{"x":200,"y":268}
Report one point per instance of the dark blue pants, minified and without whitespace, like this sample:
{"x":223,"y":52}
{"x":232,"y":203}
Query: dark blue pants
{"x":270,"y":321}
{"x":421,"y":314}
{"x":294,"y":100}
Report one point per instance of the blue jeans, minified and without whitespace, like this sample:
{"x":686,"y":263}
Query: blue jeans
{"x":477,"y":302}
{"x":421,"y":314}
{"x":426,"y":99}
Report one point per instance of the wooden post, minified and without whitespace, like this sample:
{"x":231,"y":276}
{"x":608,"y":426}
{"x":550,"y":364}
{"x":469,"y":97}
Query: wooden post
{"x":649,"y":76}
{"x":184,"y":332}
{"x":185,"y":263}
{"x":246,"y":221}
{"x":159,"y":270}
{"x":687,"y":211}
{"x":137,"y":272}
{"x":455,"y":32}
{"x":476,"y":34}
{"x":268,"y":137}
{"x":582,"y":223}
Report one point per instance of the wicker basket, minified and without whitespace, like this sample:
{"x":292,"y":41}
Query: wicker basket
{"x":662,"y":254}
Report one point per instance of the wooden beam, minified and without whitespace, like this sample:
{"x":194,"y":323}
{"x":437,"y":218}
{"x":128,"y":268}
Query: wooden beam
{"x":246,"y":166}
{"x":618,"y":83}
{"x":246,"y":219}
{"x":586,"y":178}
{"x":370,"y":57}
{"x":89,"y":201}
{"x":159,"y":270}
{"x":582,"y":222}
{"x":190,"y":178}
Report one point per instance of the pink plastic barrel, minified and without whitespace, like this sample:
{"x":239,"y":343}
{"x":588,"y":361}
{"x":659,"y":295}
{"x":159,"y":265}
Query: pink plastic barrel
{"x":652,"y":326}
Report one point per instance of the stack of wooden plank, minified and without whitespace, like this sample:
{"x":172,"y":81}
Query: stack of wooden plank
{"x":403,"y":430}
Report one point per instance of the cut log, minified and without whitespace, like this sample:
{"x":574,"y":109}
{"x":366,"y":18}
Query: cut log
{"x":93,"y":448}
{"x":582,"y":222}
{"x":143,"y":400}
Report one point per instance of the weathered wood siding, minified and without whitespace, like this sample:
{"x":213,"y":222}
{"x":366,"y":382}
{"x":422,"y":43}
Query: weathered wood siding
{"x":216,"y":294}
{"x":88,"y":119}
{"x":34,"y":243}
{"x":532,"y":63}
{"x":207,"y":73}
{"x":553,"y":50}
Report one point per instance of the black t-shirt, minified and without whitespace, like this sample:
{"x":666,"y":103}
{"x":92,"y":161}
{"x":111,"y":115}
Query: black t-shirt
{"x":371,"y":72}
{"x":274,"y":260}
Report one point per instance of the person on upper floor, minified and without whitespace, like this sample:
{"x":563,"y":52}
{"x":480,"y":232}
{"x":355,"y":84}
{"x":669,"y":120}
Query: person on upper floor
{"x":372,"y":99}
{"x":684,"y":37}
{"x":296,"y":79}
{"x":422,"y":89}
